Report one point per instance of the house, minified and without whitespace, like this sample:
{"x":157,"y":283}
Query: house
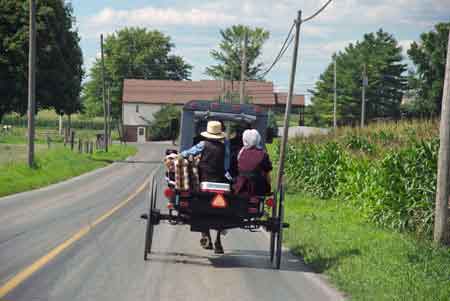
{"x":142,"y":98}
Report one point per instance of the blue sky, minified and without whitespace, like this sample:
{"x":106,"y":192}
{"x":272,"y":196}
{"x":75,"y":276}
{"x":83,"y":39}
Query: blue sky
{"x":194,"y":27}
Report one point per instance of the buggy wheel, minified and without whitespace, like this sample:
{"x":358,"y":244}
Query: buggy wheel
{"x":273,"y":232}
{"x":149,"y":235}
{"x":279,"y":247}
{"x":150,"y":220}
{"x":272,"y":245}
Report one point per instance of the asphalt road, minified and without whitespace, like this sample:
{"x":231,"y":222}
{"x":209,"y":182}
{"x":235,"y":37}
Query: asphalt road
{"x":83,"y":240}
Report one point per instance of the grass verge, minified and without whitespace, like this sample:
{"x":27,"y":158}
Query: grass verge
{"x":54,"y":166}
{"x":362,"y":260}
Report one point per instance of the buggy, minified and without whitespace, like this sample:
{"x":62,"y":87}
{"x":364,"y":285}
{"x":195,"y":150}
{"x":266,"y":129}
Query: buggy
{"x":214,"y":205}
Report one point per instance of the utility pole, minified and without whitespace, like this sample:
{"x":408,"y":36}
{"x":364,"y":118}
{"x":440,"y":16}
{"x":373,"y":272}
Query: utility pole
{"x":243,"y":69}
{"x":363,"y":100}
{"x":105,"y":104}
{"x":335,"y":96}
{"x":441,"y":225}
{"x":280,"y":174}
{"x":230,"y":96}
{"x":31,"y":82}
{"x":108,"y":124}
{"x":222,"y":95}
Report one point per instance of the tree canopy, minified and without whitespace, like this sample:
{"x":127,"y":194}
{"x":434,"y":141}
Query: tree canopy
{"x":132,"y":53}
{"x":229,"y":54}
{"x":382,"y":56}
{"x":58,"y":60}
{"x":429,"y":57}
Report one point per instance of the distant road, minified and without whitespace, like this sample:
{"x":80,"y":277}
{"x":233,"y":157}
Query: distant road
{"x":83,"y":240}
{"x":306,"y":131}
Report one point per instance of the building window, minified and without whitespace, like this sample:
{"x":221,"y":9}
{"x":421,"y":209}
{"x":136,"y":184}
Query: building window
{"x":137,"y":108}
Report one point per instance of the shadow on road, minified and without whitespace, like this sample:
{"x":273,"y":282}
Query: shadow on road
{"x":252,"y":259}
{"x":257,"y":259}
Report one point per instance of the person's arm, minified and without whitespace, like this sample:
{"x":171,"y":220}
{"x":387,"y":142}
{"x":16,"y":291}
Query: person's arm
{"x":266,"y":164}
{"x":194,"y":150}
{"x":227,"y":159}
{"x":266,"y":167}
{"x":227,"y":155}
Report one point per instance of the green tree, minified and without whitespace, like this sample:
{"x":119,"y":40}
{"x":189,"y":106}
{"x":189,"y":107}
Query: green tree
{"x":160,"y":127}
{"x":414,"y":106}
{"x":59,"y":58}
{"x":229,"y":55}
{"x":382,"y":56}
{"x":429,"y":57}
{"x":132,"y":53}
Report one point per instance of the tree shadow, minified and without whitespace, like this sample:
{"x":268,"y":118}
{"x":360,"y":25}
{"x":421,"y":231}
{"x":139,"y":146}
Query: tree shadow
{"x":320,"y":264}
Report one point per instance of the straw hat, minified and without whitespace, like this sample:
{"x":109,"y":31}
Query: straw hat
{"x":213,"y":131}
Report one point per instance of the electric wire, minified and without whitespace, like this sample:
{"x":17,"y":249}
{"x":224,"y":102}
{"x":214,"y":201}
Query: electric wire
{"x":317,"y":12}
{"x":284,"y":47}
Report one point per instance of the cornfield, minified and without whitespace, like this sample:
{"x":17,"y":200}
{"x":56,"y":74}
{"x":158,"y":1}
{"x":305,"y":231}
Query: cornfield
{"x":386,"y":171}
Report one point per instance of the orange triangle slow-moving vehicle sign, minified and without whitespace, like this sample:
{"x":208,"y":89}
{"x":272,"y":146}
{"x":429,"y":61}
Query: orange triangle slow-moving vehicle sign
{"x":219,"y":201}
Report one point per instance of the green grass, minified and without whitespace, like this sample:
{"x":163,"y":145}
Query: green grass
{"x":293,"y":119}
{"x":53,"y":166}
{"x":17,"y":152}
{"x":362,"y":260}
{"x":18,"y":135}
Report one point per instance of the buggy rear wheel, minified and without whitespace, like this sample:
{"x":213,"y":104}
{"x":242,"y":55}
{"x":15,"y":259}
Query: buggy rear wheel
{"x":272,"y":236}
{"x":272,"y":245}
{"x":279,"y":236}
{"x":150,"y":220}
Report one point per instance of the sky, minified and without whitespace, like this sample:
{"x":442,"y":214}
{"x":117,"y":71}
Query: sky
{"x":194,"y":27}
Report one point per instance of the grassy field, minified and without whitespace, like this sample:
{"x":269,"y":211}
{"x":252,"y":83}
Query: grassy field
{"x":362,"y":260}
{"x":13,"y":143}
{"x":17,"y":152}
{"x":53,"y":166}
{"x":18,"y":135}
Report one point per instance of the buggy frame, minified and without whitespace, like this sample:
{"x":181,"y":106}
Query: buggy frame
{"x":198,"y":209}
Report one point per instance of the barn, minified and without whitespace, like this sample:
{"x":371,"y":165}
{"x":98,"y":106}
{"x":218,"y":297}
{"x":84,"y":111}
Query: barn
{"x":142,"y":98}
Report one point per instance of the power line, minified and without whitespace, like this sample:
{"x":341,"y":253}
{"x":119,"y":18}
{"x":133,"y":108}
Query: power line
{"x":284,"y":47}
{"x":317,"y":12}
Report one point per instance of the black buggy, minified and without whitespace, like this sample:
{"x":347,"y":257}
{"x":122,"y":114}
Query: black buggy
{"x":212,"y":208}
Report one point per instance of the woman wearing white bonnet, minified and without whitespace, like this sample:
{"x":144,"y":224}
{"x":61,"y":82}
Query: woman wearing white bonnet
{"x":254,"y":166}
{"x":250,"y":138}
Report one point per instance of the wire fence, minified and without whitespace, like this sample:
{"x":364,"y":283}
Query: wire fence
{"x":53,"y":123}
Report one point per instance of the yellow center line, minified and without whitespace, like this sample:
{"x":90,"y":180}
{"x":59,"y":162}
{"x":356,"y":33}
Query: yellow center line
{"x":41,"y":262}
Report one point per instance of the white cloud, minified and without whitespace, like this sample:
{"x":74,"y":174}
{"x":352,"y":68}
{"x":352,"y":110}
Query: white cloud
{"x":109,"y":19}
{"x":161,"y":16}
{"x":194,"y":25}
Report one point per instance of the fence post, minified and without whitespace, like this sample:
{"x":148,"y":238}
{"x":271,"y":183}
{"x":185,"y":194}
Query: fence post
{"x":80,"y":145}
{"x":72,"y":139}
{"x":91,"y":147}
{"x":48,"y":141}
{"x":86,"y":146}
{"x":66,"y":137}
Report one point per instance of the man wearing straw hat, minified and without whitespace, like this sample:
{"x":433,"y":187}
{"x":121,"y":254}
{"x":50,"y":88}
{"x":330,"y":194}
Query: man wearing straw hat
{"x":212,"y":150}
{"x":211,"y":167}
